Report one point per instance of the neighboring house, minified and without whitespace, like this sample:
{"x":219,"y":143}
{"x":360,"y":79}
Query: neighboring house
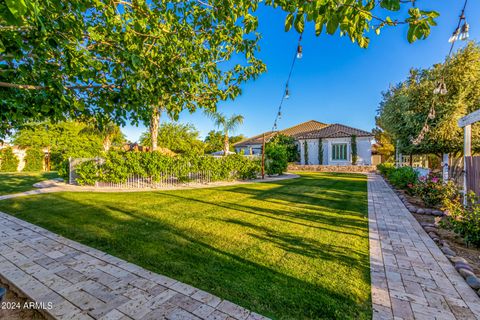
{"x":254,"y":145}
{"x":335,"y":139}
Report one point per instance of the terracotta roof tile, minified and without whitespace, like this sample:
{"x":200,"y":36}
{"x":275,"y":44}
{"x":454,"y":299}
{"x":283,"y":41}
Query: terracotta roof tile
{"x":334,"y":131}
{"x":303,"y":127}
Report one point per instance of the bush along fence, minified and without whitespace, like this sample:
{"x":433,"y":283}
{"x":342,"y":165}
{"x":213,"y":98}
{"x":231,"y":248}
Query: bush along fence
{"x":443,"y":200}
{"x":155,"y":170}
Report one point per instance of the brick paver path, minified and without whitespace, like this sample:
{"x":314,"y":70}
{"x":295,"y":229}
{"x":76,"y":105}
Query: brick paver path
{"x":84,"y":283}
{"x":411,"y":278}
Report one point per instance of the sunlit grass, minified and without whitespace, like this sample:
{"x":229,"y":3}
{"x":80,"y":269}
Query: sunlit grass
{"x":13,"y":182}
{"x":295,"y":249}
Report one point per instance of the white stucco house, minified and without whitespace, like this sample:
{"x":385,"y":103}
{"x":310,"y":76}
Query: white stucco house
{"x":336,"y":143}
{"x":335,"y":139}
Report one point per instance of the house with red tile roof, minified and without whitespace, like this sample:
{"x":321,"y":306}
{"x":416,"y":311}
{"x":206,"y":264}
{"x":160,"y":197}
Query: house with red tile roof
{"x":335,"y":141}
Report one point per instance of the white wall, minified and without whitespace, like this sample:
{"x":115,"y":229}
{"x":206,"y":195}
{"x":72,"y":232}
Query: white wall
{"x":364,"y":147}
{"x":364,"y":151}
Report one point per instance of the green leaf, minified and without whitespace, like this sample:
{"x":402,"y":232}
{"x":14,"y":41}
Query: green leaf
{"x":17,"y":7}
{"x":318,"y":26}
{"x":300,"y":22}
{"x":332,"y":24}
{"x":289,"y":22}
{"x":392,"y":5}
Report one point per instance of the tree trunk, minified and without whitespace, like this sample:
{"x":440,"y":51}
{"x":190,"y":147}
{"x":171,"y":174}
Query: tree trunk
{"x":106,"y":144}
{"x":226,"y":145}
{"x":154,"y":122}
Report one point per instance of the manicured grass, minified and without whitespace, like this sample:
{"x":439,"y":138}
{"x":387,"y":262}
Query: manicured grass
{"x":295,"y":249}
{"x":14,"y":182}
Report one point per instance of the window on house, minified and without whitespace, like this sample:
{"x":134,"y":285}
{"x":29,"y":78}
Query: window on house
{"x":339,"y":151}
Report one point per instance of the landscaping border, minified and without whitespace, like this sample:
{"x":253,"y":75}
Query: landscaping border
{"x":461,"y":265}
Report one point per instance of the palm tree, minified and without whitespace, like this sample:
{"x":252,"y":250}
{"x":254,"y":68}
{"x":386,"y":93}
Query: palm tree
{"x":228,"y":125}
{"x":109,"y":132}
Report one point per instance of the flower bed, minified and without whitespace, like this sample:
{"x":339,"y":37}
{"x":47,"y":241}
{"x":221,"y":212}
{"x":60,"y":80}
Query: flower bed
{"x":430,"y":196}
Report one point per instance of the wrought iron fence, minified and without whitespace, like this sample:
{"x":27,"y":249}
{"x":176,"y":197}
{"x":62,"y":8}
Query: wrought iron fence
{"x":164,"y":179}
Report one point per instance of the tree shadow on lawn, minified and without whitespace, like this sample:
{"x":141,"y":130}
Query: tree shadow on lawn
{"x":287,"y":216}
{"x":186,"y":256}
{"x":22,"y":181}
{"x":302,"y":245}
{"x":190,"y":255}
{"x":254,"y":286}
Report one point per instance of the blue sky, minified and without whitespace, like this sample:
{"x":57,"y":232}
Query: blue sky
{"x":335,"y":81}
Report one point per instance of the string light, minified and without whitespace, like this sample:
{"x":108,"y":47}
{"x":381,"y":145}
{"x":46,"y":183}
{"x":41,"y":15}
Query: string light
{"x":454,"y":36}
{"x":286,"y":92}
{"x":460,"y":33}
{"x":299,"y":52}
{"x":465,"y":34}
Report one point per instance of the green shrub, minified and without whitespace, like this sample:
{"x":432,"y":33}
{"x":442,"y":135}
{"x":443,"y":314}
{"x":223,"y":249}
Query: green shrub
{"x":8,"y":160}
{"x":464,"y":221}
{"x":34,"y":160}
{"x":118,"y":166}
{"x":403,"y":177}
{"x":87,"y":173}
{"x":289,"y":142}
{"x":354,"y":150}
{"x":276,"y":159}
{"x":385,"y":168}
{"x":433,"y":191}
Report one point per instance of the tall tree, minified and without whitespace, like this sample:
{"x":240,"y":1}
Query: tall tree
{"x":215,"y":139}
{"x":228,"y":125}
{"x":123,"y":60}
{"x":108,"y":131}
{"x":64,"y":59}
{"x":424,"y":122}
{"x":178,"y":137}
{"x":62,"y":140}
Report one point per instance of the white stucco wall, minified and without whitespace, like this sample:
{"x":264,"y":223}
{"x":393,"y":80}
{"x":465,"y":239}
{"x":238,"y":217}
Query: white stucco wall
{"x":364,"y":151}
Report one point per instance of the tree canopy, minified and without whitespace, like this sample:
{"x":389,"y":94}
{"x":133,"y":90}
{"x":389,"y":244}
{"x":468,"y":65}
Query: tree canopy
{"x":63,"y":140}
{"x":424,"y":122}
{"x":178,"y":137}
{"x":121,"y":60}
{"x":293,"y":154}
{"x":215,"y":139}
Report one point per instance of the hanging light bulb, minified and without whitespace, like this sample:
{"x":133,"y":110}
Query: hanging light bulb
{"x":287,"y":93}
{"x":454,"y":36}
{"x":440,"y":88}
{"x":299,"y":52}
{"x":464,"y":34}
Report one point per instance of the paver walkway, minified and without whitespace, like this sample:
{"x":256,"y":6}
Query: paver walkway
{"x":411,"y":277}
{"x":84,"y":283}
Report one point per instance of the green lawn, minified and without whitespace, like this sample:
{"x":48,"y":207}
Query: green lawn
{"x":14,"y":182}
{"x":295,"y":249}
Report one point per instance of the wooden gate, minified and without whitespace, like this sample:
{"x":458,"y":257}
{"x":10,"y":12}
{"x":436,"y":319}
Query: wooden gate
{"x":472,"y":167}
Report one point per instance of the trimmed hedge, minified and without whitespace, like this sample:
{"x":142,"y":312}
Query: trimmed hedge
{"x":34,"y":159}
{"x":117,"y":166}
{"x":8,"y":160}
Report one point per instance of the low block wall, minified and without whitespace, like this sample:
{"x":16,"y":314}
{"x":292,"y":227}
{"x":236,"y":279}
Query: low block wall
{"x":319,"y":168}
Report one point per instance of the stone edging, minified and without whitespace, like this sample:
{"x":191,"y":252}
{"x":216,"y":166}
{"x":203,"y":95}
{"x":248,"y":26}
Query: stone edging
{"x":461,"y":265}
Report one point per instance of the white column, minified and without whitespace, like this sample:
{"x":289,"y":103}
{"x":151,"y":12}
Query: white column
{"x":467,"y":152}
{"x":445,"y":167}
